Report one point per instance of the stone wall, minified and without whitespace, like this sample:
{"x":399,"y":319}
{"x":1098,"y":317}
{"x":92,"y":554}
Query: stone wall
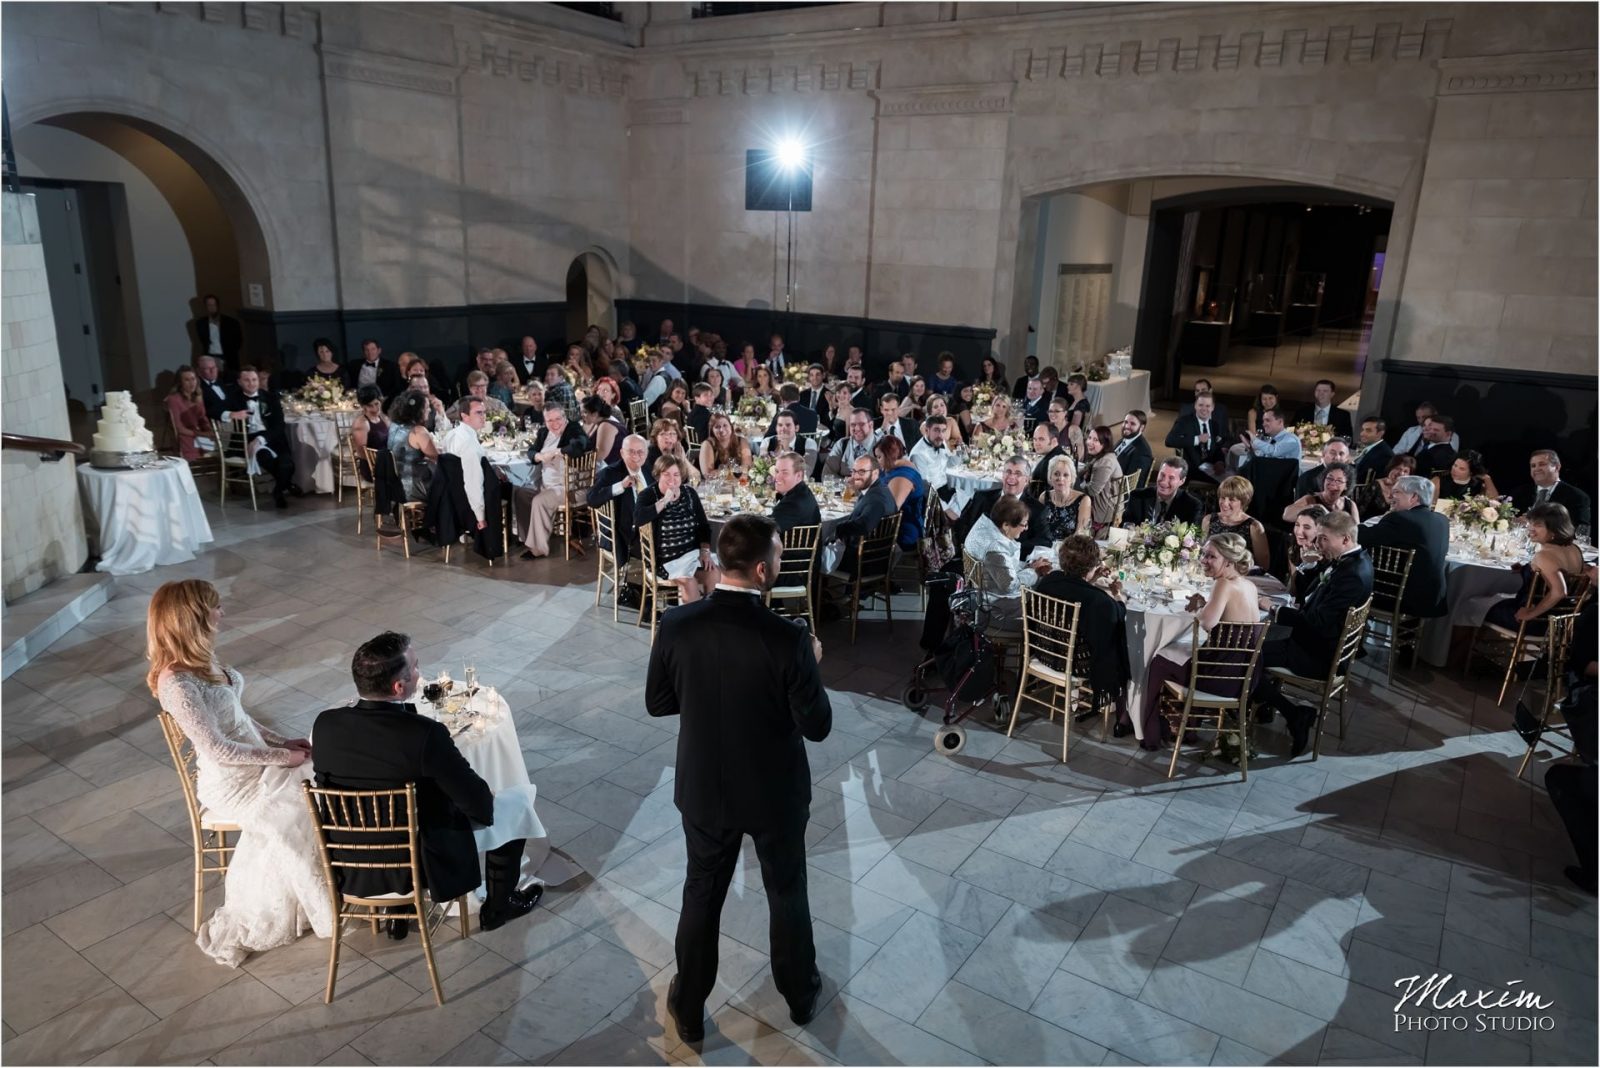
{"x":42,"y":519}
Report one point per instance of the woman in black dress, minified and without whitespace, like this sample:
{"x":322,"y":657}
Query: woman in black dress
{"x":682,"y":531}
{"x":1078,"y":413}
{"x":1468,"y":478}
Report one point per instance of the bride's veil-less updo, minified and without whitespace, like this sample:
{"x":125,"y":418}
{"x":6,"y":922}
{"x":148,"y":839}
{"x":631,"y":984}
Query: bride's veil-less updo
{"x":179,"y":633}
{"x":1234,"y":549}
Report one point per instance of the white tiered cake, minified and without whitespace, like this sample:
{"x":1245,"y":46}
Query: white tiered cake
{"x":121,"y":439}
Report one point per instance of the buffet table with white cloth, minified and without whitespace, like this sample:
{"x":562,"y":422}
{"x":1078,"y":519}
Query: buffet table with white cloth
{"x":1110,"y":400}
{"x":314,"y":443}
{"x":143,"y":517}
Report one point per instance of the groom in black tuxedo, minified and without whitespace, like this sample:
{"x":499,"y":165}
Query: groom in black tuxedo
{"x":382,"y":743}
{"x":261,"y":415}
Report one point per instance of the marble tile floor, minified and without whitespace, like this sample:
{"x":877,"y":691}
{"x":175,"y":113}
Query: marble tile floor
{"x":996,"y":907}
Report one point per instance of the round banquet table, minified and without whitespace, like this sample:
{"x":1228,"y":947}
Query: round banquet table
{"x":1471,"y":586}
{"x":967,"y":479}
{"x":313,"y":442}
{"x":832,"y":515}
{"x":144,"y":517}
{"x":1117,"y":396}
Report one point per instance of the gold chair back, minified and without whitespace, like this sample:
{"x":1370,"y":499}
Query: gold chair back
{"x":1387,"y":623}
{"x":606,"y":566}
{"x":210,"y":835}
{"x":797,"y":570}
{"x":233,"y":459}
{"x":638,"y":416}
{"x":658,"y":594}
{"x":1049,"y":655}
{"x":1125,"y":485}
{"x":1221,"y":667}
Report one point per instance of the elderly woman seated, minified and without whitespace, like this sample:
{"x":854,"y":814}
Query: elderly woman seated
{"x":995,"y":542}
{"x":1102,"y":641}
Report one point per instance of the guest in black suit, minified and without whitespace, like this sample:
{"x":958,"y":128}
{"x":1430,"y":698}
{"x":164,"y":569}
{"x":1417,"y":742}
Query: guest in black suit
{"x":1314,"y":629}
{"x":1373,"y":459}
{"x":1547,"y":488}
{"x":1166,"y":500}
{"x":1133,"y":451}
{"x":262,"y":416}
{"x":1411,"y":523}
{"x":1433,"y":450}
{"x":373,"y":370}
{"x":699,"y":416}
{"x":1201,"y":438}
{"x":1059,"y":447}
{"x":1335,"y":452}
{"x":815,"y":395}
{"x":1219,"y":410}
{"x":796,"y":505}
{"x":212,"y":390}
{"x":806,"y":419}
{"x":621,"y":483}
{"x":1322,"y":411}
{"x":897,"y":382}
{"x":1013,"y":483}
{"x":1102,"y":619}
{"x":216,"y":334}
{"x":892,"y":424}
{"x":381,"y":743}
{"x":1035,"y":405}
{"x":741,"y":769}
{"x":1030,"y":371}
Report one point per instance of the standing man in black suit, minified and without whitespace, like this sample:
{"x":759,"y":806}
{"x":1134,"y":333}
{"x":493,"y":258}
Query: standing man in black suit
{"x":1411,"y":523}
{"x":216,"y":334}
{"x":1133,"y":451}
{"x":262,"y":416}
{"x":373,"y":370}
{"x":1547,"y":488}
{"x":1201,"y":439}
{"x":620,"y":484}
{"x":1323,"y":413}
{"x":1314,"y":629}
{"x":1373,"y":458}
{"x":742,"y":769}
{"x":1166,"y":499}
{"x":381,"y":743}
{"x":796,"y":505}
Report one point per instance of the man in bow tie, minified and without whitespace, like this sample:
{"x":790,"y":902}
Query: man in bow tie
{"x":212,"y":391}
{"x":776,"y":360}
{"x":528,"y":369}
{"x":261,"y":417}
{"x":372,"y":370}
{"x":931,"y":455}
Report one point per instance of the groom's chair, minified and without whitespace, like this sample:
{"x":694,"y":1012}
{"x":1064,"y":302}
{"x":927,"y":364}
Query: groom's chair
{"x":211,"y":849}
{"x":373,"y":831}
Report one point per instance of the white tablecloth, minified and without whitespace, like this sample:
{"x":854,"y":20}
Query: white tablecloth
{"x":143,"y":518}
{"x":1471,"y":586}
{"x":313,"y":442}
{"x":970,"y":481}
{"x":1110,"y":400}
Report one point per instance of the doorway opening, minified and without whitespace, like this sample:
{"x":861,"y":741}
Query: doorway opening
{"x":591,"y":294}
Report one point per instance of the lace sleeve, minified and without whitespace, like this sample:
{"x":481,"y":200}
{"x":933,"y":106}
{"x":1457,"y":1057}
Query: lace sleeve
{"x":181,"y":698}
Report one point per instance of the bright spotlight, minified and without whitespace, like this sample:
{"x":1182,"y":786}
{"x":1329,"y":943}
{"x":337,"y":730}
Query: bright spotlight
{"x":790,"y":154}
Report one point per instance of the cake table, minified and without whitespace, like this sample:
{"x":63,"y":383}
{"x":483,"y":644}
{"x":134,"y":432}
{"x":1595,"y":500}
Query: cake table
{"x":143,"y":517}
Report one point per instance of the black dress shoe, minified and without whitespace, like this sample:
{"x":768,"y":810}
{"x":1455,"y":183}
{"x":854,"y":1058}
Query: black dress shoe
{"x":691,"y":1032}
{"x":518,"y":905}
{"x":280,"y":500}
{"x":1299,"y":720}
{"x":806,"y":1010}
{"x":1122,"y":730}
{"x":629,"y":598}
{"x":396,"y":929}
{"x":296,"y":490}
{"x":532,"y":895}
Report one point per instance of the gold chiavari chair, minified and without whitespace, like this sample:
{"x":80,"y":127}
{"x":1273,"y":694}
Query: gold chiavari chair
{"x":657,"y":594}
{"x":363,"y":483}
{"x":1337,"y":683}
{"x":1220,"y":664}
{"x":233,"y":452}
{"x":410,"y":514}
{"x":379,"y":826}
{"x":691,"y":438}
{"x":1049,"y":642}
{"x":797,"y":572}
{"x":1525,"y":644}
{"x":874,"y":557}
{"x":1558,"y":646}
{"x":574,"y":511}
{"x":210,"y":834}
{"x":606,"y":566}
{"x":1387,"y":626}
{"x":344,"y":458}
{"x":209,"y":462}
{"x":1125,"y":485}
{"x":638,"y":417}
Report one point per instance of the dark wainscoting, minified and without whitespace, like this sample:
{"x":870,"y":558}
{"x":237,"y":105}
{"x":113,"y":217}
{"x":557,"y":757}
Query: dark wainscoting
{"x":1504,"y":413}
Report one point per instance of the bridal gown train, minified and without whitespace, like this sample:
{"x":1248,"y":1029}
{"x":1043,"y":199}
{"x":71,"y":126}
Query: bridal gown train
{"x":275,"y":887}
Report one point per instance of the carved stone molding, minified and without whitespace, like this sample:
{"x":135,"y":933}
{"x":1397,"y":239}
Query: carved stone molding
{"x":1527,"y":72}
{"x":827,"y":77}
{"x":290,"y":20}
{"x":563,"y":70}
{"x":389,"y":71}
{"x":657,"y":113}
{"x":1284,"y":48}
{"x":993,"y":99}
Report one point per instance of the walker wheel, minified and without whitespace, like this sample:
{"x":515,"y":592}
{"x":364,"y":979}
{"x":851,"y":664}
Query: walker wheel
{"x":1002,"y":714}
{"x":949,"y":740}
{"x":915,"y":698}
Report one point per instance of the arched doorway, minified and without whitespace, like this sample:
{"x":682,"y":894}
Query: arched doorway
{"x":138,"y":223}
{"x":591,"y":293}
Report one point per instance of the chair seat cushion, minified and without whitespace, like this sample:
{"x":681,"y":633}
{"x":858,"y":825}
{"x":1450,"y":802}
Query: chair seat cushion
{"x":1045,"y":671}
{"x":1285,"y":675}
{"x":788,"y":591}
{"x":210,"y":822}
{"x":1200,"y":697}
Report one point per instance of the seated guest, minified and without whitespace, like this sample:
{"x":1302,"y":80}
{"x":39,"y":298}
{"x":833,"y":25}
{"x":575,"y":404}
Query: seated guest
{"x":675,"y":396}
{"x":808,"y":419}
{"x":874,"y":503}
{"x":698,"y":418}
{"x":412,"y":446}
{"x":993,"y":374}
{"x":1572,"y":785}
{"x":993,"y":543}
{"x":717,"y":380}
{"x":603,"y":428}
{"x":1305,"y":556}
{"x":477,"y":389}
{"x":1043,"y":438}
{"x":1066,"y":508}
{"x":1314,"y":630}
{"x":371,"y":429}
{"x":483,"y":363}
{"x":1275,"y":441}
{"x":1547,"y":488}
{"x":1434,"y":452}
{"x":434,"y":416}
{"x":724,"y":453}
{"x":931,"y":454}
{"x":1322,"y":412}
{"x":1266,"y":397}
{"x":672,"y":509}
{"x":1332,"y":492}
{"x":997,"y":423}
{"x":1166,"y":500}
{"x":1412,"y":436}
{"x":905,"y":485}
{"x":1468,"y":477}
{"x":1133,"y":451}
{"x":1233,"y":498}
{"x":857,"y":442}
{"x":1078,"y":411}
{"x":1050,"y":379}
{"x":1201,"y":438}
{"x":1373,"y":454}
{"x":558,"y":390}
{"x":1556,"y":558}
{"x":787,"y":439}
{"x":940,"y":406}
{"x":371,"y":369}
{"x":838,"y":426}
{"x":559,"y":441}
{"x":1225,"y":560}
{"x":796,"y":505}
{"x":1102,"y":620}
{"x":1019,"y":388}
{"x":961,"y":406}
{"x":1100,"y":476}
{"x":1219,"y":412}
{"x":1411,"y":523}
{"x":915,"y":407}
{"x":892,"y":424}
{"x":1336,"y":451}
{"x":505,"y":385}
{"x":745,"y":366}
{"x":186,"y":406}
{"x":463,"y":441}
{"x":1055,"y":444}
{"x":382,"y":743}
{"x":667,"y":440}
{"x":860,"y":395}
{"x":896,"y":383}
{"x":815,"y":394}
{"x":1013,"y":483}
{"x":328,"y":367}
{"x":944,"y":379}
{"x":1373,"y":497}
{"x":620,"y":483}
{"x":1035,"y":405}
{"x":212,"y":390}
{"x":261,"y":415}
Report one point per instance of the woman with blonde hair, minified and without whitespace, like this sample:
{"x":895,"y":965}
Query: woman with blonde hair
{"x":1066,"y":509}
{"x":1233,"y":497}
{"x":247,"y":774}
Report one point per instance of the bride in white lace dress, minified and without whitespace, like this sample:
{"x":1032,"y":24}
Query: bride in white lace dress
{"x":248,"y":774}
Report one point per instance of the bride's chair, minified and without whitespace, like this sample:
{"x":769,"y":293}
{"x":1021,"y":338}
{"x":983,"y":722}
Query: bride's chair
{"x":211,"y":848}
{"x":381,"y":827}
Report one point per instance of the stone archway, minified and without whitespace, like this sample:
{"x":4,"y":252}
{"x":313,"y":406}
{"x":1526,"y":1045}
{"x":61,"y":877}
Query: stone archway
{"x":593,"y":286}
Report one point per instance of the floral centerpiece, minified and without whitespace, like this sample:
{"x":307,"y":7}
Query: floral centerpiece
{"x":498,"y":423}
{"x":323,"y":394}
{"x":754,"y":407}
{"x":1097,"y":371}
{"x":1313,"y":436}
{"x":1002,"y":446}
{"x":1164,"y":545}
{"x":796,"y":373}
{"x":1481,"y":515}
{"x":761,"y":471}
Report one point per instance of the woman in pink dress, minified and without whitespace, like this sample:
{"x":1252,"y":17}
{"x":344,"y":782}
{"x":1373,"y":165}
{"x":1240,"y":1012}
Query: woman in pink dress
{"x":188,"y":413}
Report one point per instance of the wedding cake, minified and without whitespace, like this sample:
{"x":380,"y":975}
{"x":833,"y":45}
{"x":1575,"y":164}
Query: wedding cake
{"x":121,"y":439}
